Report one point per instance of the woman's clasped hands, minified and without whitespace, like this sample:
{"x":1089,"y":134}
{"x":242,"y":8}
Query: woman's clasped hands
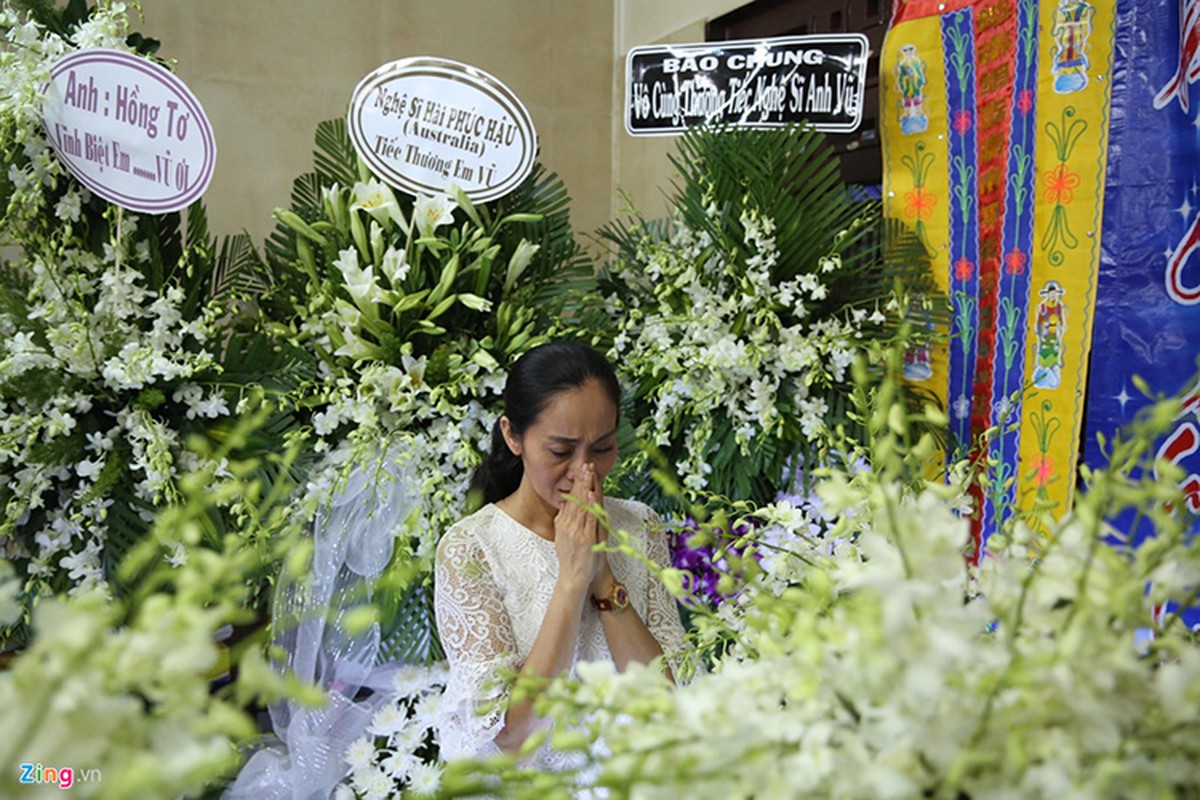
{"x":577,"y":531}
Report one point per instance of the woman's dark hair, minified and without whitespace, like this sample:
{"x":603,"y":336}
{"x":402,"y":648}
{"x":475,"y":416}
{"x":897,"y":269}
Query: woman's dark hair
{"x":537,"y":376}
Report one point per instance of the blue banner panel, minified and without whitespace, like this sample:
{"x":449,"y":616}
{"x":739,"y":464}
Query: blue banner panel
{"x":1148,"y":303}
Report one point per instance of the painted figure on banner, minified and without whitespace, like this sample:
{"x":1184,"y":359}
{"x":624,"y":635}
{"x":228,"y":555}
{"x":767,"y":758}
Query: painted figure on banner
{"x":1069,"y":56}
{"x":910,"y":79}
{"x":917,"y":366}
{"x":1050,"y":327}
{"x":1188,"y":70}
{"x":916,"y":363}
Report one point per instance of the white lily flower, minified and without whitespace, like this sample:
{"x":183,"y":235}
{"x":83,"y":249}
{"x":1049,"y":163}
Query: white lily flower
{"x":349,"y":316}
{"x":331,"y":198}
{"x":355,"y":348}
{"x":415,"y":367}
{"x":360,"y":282}
{"x":394,"y":267}
{"x":520,"y":260}
{"x":475,"y":302}
{"x":378,"y":200}
{"x":433,"y":212}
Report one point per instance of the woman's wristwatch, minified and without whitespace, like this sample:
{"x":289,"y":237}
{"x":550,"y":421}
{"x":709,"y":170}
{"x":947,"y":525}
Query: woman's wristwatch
{"x":618,"y":598}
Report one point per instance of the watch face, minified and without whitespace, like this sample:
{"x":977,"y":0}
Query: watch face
{"x":620,"y":596}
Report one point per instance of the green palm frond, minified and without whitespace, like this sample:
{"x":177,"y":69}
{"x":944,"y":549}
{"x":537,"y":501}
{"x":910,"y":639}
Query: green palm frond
{"x":277,"y":367}
{"x":409,"y":631}
{"x":238,"y":269}
{"x":792,"y":173}
{"x":334,"y":157}
{"x":198,"y":235}
{"x":561,"y":267}
{"x":15,"y":282}
{"x":127,"y":528}
{"x":164,"y":238}
{"x":623,"y":235}
{"x":335,"y":161}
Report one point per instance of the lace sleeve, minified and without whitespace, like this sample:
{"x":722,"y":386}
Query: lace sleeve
{"x":477,"y":635}
{"x":662,"y":612}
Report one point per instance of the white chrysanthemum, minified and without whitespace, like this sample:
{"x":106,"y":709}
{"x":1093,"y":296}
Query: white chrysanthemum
{"x":430,"y":707}
{"x":412,"y":679}
{"x":400,"y":764}
{"x":388,"y":720}
{"x":425,"y":779}
{"x":360,"y":755}
{"x":375,"y":784}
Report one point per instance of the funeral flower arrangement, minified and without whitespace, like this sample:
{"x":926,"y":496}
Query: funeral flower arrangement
{"x":112,"y":341}
{"x":865,"y":657}
{"x":412,"y":310}
{"x":735,"y":321}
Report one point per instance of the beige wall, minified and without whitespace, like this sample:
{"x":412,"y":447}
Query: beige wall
{"x":641,"y":164}
{"x":268,"y":71}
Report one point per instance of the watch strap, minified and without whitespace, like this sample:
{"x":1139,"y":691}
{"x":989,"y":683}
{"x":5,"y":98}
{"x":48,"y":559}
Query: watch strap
{"x":617,"y":599}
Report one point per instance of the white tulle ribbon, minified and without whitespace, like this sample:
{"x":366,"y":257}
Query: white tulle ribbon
{"x":353,"y":538}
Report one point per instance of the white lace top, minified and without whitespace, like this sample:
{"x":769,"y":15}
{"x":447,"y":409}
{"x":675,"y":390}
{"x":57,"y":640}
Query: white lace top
{"x":493,"y":581}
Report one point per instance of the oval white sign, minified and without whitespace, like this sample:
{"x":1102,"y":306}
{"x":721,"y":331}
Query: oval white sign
{"x":129,"y":130}
{"x":424,"y":123}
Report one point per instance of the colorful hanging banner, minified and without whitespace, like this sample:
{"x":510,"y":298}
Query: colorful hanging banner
{"x":1020,"y":90}
{"x":1072,"y":149}
{"x":916,"y":176}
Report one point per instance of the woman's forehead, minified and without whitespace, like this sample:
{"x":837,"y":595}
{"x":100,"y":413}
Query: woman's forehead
{"x":580,"y":412}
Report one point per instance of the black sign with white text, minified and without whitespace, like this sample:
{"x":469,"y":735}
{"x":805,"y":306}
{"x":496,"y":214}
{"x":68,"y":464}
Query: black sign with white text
{"x":760,"y":83}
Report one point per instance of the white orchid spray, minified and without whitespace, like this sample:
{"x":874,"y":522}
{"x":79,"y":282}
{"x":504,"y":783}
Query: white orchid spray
{"x":90,"y":348}
{"x":119,"y":690}
{"x":735,"y":321}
